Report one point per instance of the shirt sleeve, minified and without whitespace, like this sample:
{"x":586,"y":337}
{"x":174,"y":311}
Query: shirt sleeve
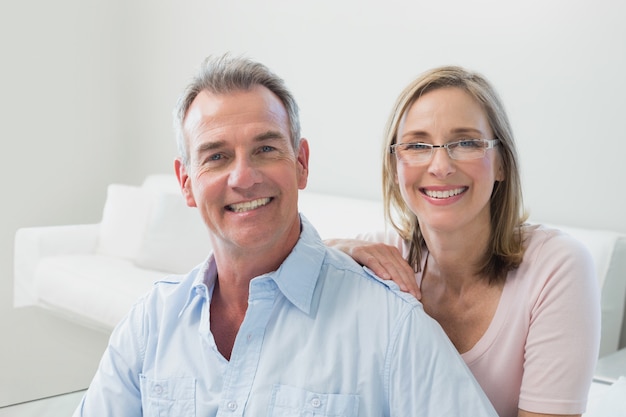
{"x":564,"y":332}
{"x":427,"y":376}
{"x":114,"y":390}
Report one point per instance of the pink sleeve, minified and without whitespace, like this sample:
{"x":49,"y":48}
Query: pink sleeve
{"x":564,"y":332}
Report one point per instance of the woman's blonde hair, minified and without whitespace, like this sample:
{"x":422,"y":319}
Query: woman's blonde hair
{"x":505,"y":249}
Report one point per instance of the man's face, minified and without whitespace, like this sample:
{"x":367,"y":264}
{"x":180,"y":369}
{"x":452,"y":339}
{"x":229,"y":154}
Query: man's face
{"x":243,"y":173}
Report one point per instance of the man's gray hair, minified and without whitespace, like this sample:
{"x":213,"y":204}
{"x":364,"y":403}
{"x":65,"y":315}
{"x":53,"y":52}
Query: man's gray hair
{"x":225,"y":74}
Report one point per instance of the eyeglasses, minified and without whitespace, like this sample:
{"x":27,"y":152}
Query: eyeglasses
{"x":464,"y":149}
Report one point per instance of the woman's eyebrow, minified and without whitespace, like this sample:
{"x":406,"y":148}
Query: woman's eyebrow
{"x":419,"y":134}
{"x":415,"y":134}
{"x":467,"y":130}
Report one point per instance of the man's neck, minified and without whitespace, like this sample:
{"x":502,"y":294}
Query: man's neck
{"x":229,"y":301}
{"x":228,"y":309}
{"x":235,"y":269}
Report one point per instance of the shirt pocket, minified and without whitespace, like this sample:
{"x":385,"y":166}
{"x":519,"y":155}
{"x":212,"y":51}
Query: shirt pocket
{"x":289,"y":401}
{"x":171,"y":397}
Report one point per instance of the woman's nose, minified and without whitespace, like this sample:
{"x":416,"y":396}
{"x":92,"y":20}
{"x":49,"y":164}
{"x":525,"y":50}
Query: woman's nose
{"x":441,"y":165}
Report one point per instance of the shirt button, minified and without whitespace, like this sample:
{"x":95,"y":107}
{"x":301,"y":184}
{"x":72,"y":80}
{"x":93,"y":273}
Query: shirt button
{"x":232,"y":405}
{"x":158,"y":390}
{"x":316,"y":402}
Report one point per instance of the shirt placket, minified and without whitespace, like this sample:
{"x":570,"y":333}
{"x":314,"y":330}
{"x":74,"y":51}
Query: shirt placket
{"x":245,"y":356}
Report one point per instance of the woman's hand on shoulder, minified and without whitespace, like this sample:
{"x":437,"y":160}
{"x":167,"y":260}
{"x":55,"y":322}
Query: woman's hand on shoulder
{"x":386,"y":261}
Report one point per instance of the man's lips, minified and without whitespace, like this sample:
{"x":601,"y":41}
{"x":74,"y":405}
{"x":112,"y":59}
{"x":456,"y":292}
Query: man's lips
{"x":248,"y":205}
{"x":440,"y":194}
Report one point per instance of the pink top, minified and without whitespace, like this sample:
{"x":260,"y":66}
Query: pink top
{"x":540,"y":350}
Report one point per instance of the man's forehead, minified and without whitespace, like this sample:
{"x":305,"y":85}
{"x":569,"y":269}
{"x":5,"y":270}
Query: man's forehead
{"x":256,"y":102}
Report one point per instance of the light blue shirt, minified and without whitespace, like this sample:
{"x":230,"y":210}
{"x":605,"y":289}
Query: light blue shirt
{"x":321,"y":337}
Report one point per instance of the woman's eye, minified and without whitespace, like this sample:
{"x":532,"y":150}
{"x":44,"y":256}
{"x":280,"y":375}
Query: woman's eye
{"x":469,"y":143}
{"x":417,"y":146}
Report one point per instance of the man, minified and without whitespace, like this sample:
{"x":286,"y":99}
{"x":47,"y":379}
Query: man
{"x":273,"y":323}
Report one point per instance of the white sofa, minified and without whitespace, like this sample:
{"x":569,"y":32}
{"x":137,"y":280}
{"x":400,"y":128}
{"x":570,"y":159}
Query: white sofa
{"x":93,"y":273}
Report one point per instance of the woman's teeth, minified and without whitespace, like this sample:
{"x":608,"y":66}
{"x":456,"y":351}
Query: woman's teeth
{"x":443,"y":194}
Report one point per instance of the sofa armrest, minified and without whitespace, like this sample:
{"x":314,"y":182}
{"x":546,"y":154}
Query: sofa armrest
{"x":35,"y":243}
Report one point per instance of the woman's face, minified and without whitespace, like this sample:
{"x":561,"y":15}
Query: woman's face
{"x":448,"y":195}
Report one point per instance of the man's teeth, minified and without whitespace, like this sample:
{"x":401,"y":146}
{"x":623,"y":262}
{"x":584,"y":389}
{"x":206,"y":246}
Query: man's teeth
{"x":249,"y":205}
{"x":443,"y":194}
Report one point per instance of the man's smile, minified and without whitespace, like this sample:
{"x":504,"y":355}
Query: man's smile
{"x":248,"y":205}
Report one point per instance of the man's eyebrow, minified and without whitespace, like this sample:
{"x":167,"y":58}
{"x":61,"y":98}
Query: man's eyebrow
{"x":269,"y":135}
{"x":209,"y":146}
{"x":217,"y":144}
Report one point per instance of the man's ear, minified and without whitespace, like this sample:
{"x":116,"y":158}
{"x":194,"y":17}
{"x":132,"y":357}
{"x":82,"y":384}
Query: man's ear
{"x":184,"y":181}
{"x":302,"y":164}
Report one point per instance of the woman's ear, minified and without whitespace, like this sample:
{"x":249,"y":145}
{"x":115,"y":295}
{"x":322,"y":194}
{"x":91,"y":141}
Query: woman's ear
{"x":500,"y":172}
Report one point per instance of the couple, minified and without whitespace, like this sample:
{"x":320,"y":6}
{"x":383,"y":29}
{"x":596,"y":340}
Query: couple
{"x":275,"y":323}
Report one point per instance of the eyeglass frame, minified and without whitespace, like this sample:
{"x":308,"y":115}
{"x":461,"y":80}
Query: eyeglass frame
{"x":491,"y":143}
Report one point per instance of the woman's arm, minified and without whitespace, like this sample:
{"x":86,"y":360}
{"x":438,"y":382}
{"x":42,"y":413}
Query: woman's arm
{"x":384,"y":260}
{"x":564,"y":334}
{"x":523,"y":413}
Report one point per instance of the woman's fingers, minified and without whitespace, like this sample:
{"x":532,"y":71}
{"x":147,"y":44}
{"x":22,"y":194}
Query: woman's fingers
{"x":384,"y":260}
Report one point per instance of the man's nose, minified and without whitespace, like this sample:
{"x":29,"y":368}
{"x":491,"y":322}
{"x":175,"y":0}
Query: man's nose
{"x":244,"y":174}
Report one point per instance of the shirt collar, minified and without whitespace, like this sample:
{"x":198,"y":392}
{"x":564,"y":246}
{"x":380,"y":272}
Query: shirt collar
{"x":204,"y":276}
{"x":296,"y":278}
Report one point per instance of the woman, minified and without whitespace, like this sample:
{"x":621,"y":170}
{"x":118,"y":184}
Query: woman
{"x":519,"y":302}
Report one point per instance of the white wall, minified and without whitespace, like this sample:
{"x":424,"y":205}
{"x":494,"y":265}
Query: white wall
{"x":59,"y":122}
{"x":88,"y":87}
{"x":558,"y":65}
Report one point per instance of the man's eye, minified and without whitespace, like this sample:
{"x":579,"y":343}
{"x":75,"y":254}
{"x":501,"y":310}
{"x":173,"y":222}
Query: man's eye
{"x":267,"y":148}
{"x":213,"y":158}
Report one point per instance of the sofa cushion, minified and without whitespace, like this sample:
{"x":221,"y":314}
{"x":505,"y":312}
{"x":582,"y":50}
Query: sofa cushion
{"x":175,"y":238}
{"x":123,"y":222}
{"x":161,"y":183}
{"x":341,"y":216}
{"x":94,"y":289}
